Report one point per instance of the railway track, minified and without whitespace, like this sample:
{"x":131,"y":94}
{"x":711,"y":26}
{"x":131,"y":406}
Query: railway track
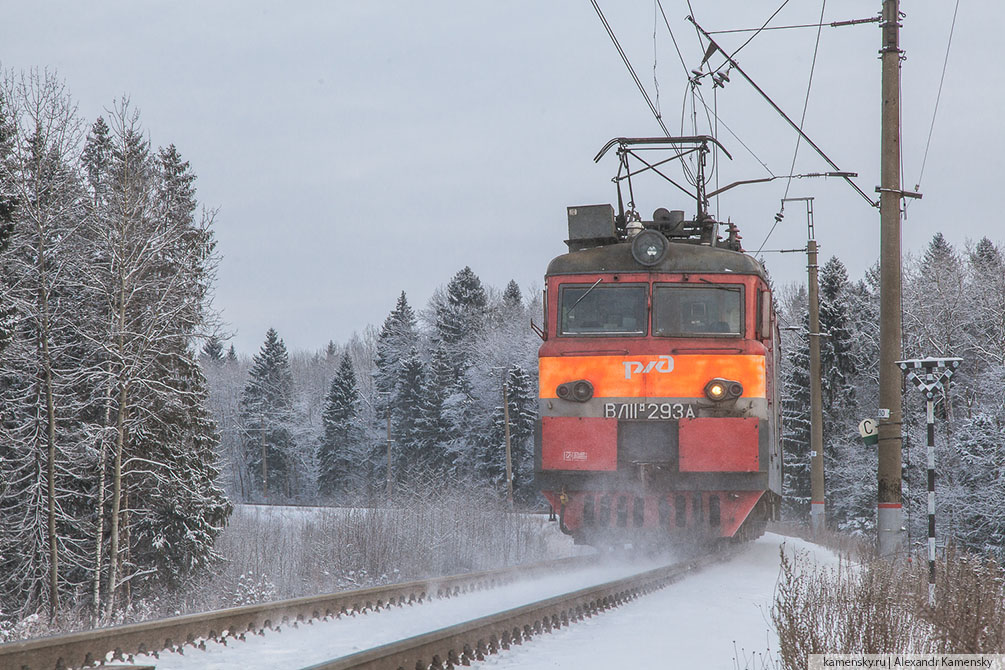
{"x":471,"y":641}
{"x":81,"y":649}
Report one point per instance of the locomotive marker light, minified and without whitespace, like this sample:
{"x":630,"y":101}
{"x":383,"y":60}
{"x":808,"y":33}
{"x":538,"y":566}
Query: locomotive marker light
{"x":930,"y":375}
{"x":723,"y":389}
{"x":580,"y":390}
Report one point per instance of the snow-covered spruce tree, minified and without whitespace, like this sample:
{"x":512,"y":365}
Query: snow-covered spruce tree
{"x":225,"y":382}
{"x":985,"y":293}
{"x":505,"y":342}
{"x":397,"y":337}
{"x":459,"y":316}
{"x":840,"y":411}
{"x":935,"y":307}
{"x":342,"y":458}
{"x":212,"y":351}
{"x":151,"y":268}
{"x":512,"y":298}
{"x":520,"y":395}
{"x":267,"y":418}
{"x":982,"y":510}
{"x":851,"y":500}
{"x":43,"y":457}
{"x":836,"y":364}
{"x":984,"y":348}
{"x":796,"y":416}
{"x":438,"y":418}
{"x":411,"y":465}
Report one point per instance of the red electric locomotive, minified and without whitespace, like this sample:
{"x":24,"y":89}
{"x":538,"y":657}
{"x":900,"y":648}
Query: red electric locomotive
{"x":659,"y":400}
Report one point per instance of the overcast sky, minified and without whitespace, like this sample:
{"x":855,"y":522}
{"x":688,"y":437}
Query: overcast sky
{"x":358,"y":149}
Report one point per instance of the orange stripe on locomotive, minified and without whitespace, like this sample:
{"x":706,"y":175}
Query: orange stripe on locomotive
{"x":616,"y":377}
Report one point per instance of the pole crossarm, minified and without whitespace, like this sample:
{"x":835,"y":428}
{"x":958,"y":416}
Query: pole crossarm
{"x":930,"y":374}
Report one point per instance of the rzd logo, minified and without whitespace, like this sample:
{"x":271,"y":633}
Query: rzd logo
{"x":661,"y":364}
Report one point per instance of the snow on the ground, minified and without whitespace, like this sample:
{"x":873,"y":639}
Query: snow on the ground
{"x":324,"y":640}
{"x":706,"y":620}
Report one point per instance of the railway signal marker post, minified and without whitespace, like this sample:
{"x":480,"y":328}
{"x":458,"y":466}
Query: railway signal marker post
{"x":930,"y":375}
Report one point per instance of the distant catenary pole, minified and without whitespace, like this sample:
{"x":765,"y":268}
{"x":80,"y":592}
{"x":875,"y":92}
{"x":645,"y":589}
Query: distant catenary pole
{"x":818,"y":518}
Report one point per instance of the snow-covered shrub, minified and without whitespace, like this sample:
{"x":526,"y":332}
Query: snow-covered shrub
{"x":251,"y":589}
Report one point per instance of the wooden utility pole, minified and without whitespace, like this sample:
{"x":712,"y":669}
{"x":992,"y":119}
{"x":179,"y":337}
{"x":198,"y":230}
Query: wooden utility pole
{"x":265,"y":461}
{"x":389,"y":453}
{"x":509,"y":461}
{"x":889,"y":512}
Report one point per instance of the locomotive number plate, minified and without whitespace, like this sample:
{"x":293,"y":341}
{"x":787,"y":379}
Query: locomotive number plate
{"x":655,"y":411}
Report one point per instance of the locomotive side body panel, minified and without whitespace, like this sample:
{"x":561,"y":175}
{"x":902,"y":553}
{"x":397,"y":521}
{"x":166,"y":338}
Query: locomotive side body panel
{"x":657,"y":405}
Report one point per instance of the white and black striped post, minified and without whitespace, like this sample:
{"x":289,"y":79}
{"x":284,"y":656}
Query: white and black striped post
{"x":930,"y":419}
{"x":930,"y":375}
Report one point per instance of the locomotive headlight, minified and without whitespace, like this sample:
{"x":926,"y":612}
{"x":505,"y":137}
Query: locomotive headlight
{"x":649,"y":247}
{"x":723,"y":389}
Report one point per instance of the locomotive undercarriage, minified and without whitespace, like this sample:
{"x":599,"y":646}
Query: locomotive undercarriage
{"x":614,"y":515}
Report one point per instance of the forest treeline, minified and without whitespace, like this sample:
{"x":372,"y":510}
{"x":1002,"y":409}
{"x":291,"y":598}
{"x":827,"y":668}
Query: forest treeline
{"x":412,"y":408}
{"x":108,"y":482}
{"x":439,"y":375}
{"x":953,"y":306}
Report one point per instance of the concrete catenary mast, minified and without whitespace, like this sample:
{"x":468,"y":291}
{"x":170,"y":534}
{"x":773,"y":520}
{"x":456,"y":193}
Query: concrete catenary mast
{"x":889,"y":512}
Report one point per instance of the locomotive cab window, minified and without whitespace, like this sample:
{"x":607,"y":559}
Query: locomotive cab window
{"x":596,"y":309}
{"x":703,"y":311}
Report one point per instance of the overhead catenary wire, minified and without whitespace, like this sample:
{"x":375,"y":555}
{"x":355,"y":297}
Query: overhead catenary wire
{"x":656,"y":81}
{"x":659,"y":3}
{"x":628,"y":64}
{"x":638,"y":82}
{"x":802,"y":122}
{"x":758,"y":31}
{"x":792,"y":124}
{"x":806,"y":101}
{"x":938,"y":97}
{"x":736,"y":137}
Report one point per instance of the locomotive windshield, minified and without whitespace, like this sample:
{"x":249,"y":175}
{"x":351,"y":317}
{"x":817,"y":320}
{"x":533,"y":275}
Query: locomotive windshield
{"x":603,"y":310}
{"x":684,"y":311}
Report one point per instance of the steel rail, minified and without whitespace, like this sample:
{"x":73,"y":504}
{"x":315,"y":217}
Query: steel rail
{"x":80,"y":649}
{"x":467,"y":642}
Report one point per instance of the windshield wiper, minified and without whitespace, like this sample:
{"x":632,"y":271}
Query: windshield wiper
{"x":584,"y":295}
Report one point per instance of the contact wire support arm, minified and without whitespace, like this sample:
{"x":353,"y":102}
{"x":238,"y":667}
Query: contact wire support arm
{"x":714,"y":46}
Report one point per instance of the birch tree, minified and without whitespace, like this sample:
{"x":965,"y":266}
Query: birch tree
{"x":43,"y":369}
{"x":152,"y":269}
